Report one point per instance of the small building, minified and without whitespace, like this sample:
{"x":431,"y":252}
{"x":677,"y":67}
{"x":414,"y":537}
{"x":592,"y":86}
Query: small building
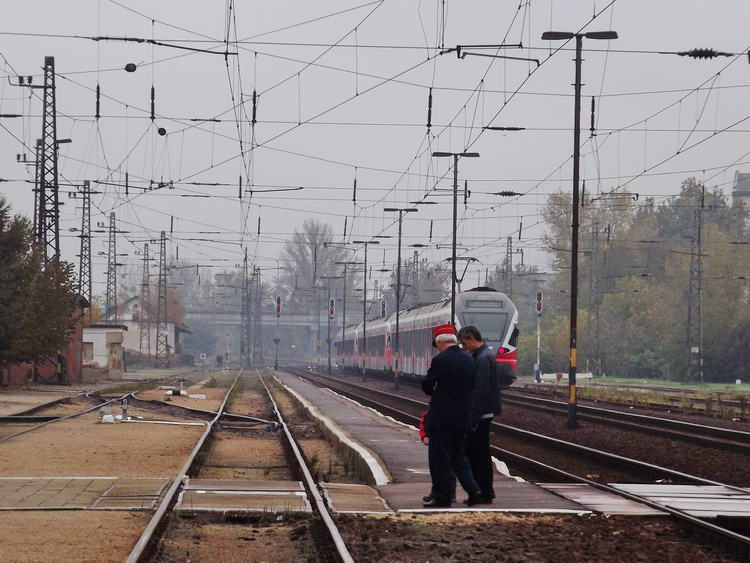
{"x":131,"y":315}
{"x":102,"y":350}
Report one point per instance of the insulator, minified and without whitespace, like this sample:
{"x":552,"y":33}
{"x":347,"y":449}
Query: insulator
{"x":98,"y":95}
{"x":520,"y":228}
{"x":346,"y":218}
{"x":466,"y":192}
{"x":704,"y":53}
{"x":593,"y":110}
{"x":153,"y":97}
{"x":258,"y":225}
{"x":255,"y":106}
{"x":171,"y":224}
{"x":127,"y":192}
{"x":430,"y":230}
{"x":354,"y":193}
{"x":239,"y":194}
{"x":429,"y":110}
{"x":583,"y":194}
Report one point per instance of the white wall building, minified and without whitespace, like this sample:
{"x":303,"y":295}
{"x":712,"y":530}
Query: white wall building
{"x":102,"y":349}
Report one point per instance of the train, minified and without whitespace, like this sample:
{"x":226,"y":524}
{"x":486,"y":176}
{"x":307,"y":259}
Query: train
{"x":490,"y":310}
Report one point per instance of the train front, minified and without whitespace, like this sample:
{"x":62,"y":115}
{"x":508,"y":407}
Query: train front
{"x":497,"y":319}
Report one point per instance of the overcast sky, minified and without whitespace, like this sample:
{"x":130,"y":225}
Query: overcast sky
{"x":342,"y":93}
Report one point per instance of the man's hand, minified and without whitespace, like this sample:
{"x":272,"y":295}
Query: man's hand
{"x":426,"y":440}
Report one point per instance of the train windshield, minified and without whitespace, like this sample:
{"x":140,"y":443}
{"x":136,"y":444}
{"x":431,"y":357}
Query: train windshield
{"x":493,"y":326}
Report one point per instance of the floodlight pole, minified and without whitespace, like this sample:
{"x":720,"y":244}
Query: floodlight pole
{"x":552,"y":35}
{"x":455,"y":156}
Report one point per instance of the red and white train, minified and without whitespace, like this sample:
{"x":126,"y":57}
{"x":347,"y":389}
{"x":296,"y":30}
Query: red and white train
{"x":493,"y":312}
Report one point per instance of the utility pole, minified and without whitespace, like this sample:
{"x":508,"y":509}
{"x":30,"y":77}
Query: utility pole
{"x":162,"y":345}
{"x":363,"y":351}
{"x":84,"y":262}
{"x":455,"y":156}
{"x":110,"y":307}
{"x":695,"y":297}
{"x":573,"y":359}
{"x":257,"y":321}
{"x":595,"y":297}
{"x":144,"y":322}
{"x":397,"y":340}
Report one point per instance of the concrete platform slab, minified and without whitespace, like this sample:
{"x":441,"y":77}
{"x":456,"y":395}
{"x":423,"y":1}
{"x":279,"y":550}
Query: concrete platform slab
{"x":600,"y":501}
{"x":242,"y":501}
{"x":80,"y":493}
{"x":242,"y":485}
{"x":350,"y":498}
{"x":241,"y":496}
{"x":704,"y":501}
{"x":512,"y":496}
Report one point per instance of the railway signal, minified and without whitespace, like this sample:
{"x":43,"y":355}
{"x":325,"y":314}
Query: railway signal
{"x":331,"y":308}
{"x":538,"y":365}
{"x":278,"y":305}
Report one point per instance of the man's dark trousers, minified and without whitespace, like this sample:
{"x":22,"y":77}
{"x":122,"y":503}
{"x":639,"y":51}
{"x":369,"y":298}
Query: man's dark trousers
{"x":447,"y":458}
{"x":478,"y":453}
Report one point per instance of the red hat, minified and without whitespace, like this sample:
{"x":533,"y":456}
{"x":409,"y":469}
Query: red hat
{"x":442,"y":329}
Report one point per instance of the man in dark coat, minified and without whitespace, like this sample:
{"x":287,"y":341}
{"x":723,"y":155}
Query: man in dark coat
{"x":485,"y":405}
{"x":449,"y":382}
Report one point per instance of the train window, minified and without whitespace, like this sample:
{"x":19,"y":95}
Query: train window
{"x":514,"y":338}
{"x":486,"y":304}
{"x":492,"y":325}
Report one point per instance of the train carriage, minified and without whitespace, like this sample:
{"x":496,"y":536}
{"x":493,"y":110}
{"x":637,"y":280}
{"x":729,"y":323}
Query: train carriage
{"x":492,"y":311}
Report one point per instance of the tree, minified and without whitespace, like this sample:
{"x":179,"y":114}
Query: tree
{"x":307,"y":257}
{"x":37,"y":301}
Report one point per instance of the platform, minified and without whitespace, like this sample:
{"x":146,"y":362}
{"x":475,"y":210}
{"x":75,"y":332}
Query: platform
{"x":80,"y":493}
{"x":394,"y":452}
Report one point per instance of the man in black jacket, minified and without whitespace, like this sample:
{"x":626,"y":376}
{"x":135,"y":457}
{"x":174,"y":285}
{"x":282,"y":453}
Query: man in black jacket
{"x":485,"y":405}
{"x":449,"y":382}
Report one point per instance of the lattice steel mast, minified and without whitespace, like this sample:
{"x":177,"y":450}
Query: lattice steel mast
{"x":84,"y":261}
{"x":144,"y":322}
{"x":49,"y":210}
{"x":110,"y":307}
{"x":162,"y":345}
{"x":245,"y":316}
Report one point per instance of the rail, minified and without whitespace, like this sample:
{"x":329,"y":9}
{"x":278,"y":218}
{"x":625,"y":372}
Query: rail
{"x":312,"y":487}
{"x":143,"y":542}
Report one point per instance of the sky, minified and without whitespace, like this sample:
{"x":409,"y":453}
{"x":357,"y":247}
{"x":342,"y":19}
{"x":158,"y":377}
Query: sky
{"x":341,"y":92}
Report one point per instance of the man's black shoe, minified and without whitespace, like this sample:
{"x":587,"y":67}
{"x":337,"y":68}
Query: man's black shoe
{"x":435,"y":503}
{"x":473,"y":499}
{"x":484,"y":499}
{"x":428,"y":498}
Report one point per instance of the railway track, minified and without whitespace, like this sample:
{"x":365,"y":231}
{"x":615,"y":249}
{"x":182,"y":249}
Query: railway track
{"x":145,"y":547}
{"x":364,"y":396}
{"x":713,"y":436}
{"x":28,"y":416}
{"x":676,"y":400}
